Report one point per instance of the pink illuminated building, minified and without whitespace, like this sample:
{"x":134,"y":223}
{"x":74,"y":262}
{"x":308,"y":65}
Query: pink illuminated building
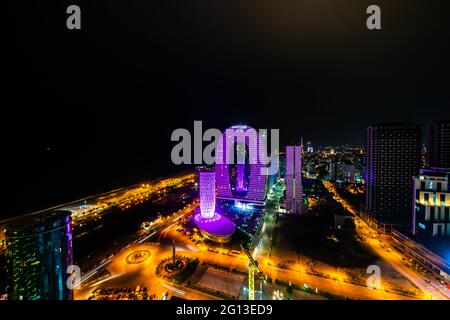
{"x":293,"y":179}
{"x":212,"y":225}
{"x":246,"y":143}
{"x":207,"y":194}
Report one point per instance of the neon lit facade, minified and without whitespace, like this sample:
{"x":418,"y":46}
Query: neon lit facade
{"x":241,"y":184}
{"x":218,"y":228}
{"x":213,"y":225}
{"x":293,"y":179}
{"x":249,"y":149}
{"x":39,"y":252}
{"x":207,"y":194}
{"x":431,"y":212}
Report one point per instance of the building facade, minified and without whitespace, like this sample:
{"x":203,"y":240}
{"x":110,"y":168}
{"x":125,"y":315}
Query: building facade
{"x":341,"y":171}
{"x":438,"y":144}
{"x":393,"y":157}
{"x":244,"y":178}
{"x":213,"y":225}
{"x":293,"y":179}
{"x":39,"y":253}
{"x":431,"y":212}
{"x":207,"y":193}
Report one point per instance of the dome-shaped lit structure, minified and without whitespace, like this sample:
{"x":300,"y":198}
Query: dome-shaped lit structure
{"x":213,"y":225}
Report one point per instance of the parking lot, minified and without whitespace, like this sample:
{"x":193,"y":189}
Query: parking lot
{"x":137,"y":293}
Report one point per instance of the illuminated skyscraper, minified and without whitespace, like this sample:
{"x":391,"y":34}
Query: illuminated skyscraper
{"x":393,"y":157}
{"x":212,"y":224}
{"x":207,"y":194}
{"x":247,"y":144}
{"x":293,"y":179}
{"x":39,"y":252}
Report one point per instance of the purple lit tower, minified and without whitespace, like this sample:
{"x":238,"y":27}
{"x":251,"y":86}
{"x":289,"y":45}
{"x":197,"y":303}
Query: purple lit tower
{"x":252,"y":188}
{"x":213,"y":225}
{"x":293,"y":179}
{"x":207,"y":194}
{"x":289,"y":178}
{"x":241,"y":181}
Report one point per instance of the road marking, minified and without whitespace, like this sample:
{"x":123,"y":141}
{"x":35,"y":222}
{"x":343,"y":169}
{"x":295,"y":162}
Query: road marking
{"x":165,"y":231}
{"x":179,"y":217}
{"x":106,"y":279}
{"x":146,"y":237}
{"x":93,"y":271}
{"x":173,"y":289}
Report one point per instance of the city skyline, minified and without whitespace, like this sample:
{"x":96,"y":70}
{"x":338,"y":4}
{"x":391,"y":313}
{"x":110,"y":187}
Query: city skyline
{"x":208,"y":221}
{"x":247,"y":153}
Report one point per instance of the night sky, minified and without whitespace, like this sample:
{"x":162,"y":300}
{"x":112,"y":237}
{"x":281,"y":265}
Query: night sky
{"x":85,"y":111}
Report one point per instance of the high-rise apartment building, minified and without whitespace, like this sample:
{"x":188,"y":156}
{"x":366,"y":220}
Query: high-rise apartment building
{"x":393,"y":157}
{"x":293,"y":179}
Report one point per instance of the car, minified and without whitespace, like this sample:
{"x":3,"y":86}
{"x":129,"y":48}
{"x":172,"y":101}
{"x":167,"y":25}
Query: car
{"x":97,"y":291}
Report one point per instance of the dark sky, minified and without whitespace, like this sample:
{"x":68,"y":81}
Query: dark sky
{"x":105,"y":99}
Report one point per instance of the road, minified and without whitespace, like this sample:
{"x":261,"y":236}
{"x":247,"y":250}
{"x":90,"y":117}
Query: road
{"x":337,"y":285}
{"x":124,"y":274}
{"x":384,"y":250}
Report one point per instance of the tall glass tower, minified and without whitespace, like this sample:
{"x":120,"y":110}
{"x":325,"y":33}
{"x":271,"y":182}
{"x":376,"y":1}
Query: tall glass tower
{"x":39,"y":252}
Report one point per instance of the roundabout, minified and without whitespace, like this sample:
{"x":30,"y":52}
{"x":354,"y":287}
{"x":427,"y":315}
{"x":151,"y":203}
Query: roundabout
{"x":137,"y":257}
{"x":176,"y":270}
{"x":168,"y":269}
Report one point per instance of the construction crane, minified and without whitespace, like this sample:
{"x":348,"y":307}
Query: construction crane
{"x":252,"y":267}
